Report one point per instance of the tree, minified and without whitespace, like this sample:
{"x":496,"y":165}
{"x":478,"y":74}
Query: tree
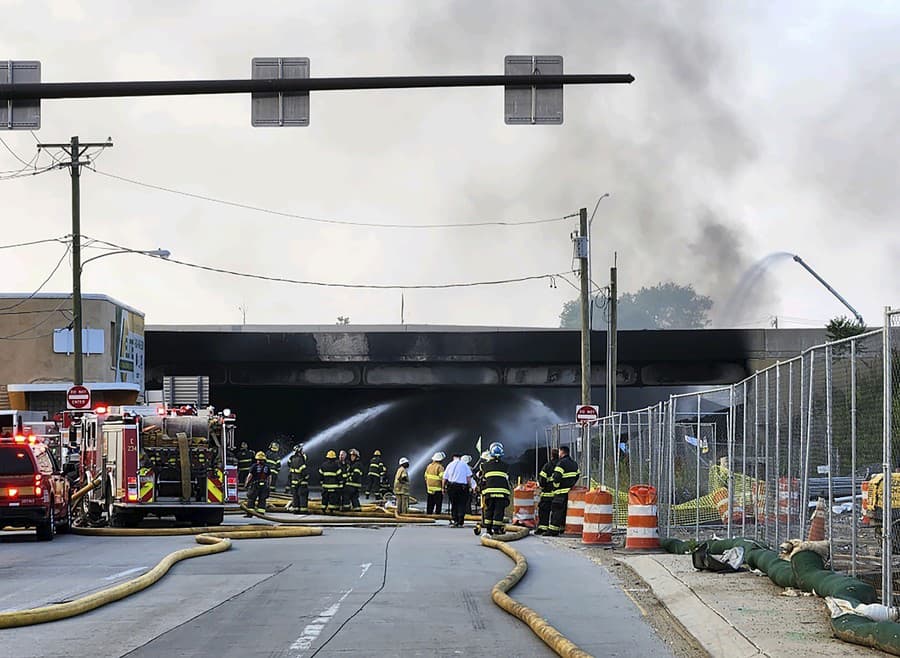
{"x":664,"y":306}
{"x":343,"y":319}
{"x":843,"y":327}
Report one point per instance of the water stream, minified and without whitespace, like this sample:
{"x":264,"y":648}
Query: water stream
{"x":419,"y":463}
{"x":739,"y":303}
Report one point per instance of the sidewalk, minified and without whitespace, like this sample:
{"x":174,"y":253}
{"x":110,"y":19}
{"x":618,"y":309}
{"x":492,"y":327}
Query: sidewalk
{"x":739,"y":615}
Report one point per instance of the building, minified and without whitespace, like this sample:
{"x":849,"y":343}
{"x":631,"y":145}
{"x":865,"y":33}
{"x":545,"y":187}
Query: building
{"x":36,"y":345}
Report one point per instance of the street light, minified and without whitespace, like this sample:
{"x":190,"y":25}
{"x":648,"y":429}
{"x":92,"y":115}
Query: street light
{"x":77,"y":269}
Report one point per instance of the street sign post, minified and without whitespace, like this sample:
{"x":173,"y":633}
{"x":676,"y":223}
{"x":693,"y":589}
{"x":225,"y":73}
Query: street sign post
{"x":78,"y":398}
{"x":587,"y":413}
{"x":280,"y":108}
{"x":20,"y":114}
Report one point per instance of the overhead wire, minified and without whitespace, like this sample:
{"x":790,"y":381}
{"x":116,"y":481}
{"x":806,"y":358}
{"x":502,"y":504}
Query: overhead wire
{"x":43,"y":283}
{"x":18,"y":335}
{"x":335,"y":284}
{"x":325,"y":220}
{"x":13,"y":153}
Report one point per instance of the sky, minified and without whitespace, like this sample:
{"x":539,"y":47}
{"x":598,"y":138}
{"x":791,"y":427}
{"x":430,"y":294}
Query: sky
{"x":751,"y":128}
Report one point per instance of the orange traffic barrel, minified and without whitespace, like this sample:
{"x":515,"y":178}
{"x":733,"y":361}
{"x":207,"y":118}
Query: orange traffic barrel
{"x":817,"y":522}
{"x":598,"y":517}
{"x":523,"y":504}
{"x":720,"y":498}
{"x":575,"y":511}
{"x":643,"y":531}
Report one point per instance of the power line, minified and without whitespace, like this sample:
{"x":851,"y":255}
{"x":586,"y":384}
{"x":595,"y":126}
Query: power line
{"x":34,"y":242}
{"x":324,"y":220}
{"x":332,"y":284}
{"x":43,"y":283}
{"x":14,"y":154}
{"x":50,"y":314}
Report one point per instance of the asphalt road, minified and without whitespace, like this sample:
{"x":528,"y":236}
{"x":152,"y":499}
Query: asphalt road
{"x":413,"y":591}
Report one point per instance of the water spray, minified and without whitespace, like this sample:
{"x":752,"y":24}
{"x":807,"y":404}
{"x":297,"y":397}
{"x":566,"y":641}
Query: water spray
{"x":425,"y":457}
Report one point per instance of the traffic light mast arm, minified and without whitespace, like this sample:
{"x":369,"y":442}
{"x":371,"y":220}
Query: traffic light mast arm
{"x":48,"y":90}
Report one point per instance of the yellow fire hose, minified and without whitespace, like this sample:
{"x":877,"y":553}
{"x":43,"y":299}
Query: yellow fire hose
{"x":212,"y":540}
{"x":540,"y":626}
{"x":381,"y":518}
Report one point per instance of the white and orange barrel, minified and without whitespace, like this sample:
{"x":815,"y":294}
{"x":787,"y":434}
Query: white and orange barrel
{"x":643,"y":529}
{"x":788,"y":498}
{"x":864,"y":487}
{"x":523,"y":504}
{"x":575,"y":511}
{"x":598,"y":517}
{"x":720,"y":498}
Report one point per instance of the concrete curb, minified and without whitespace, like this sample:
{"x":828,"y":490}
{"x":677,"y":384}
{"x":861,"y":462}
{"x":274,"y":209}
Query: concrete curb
{"x":714,"y":633}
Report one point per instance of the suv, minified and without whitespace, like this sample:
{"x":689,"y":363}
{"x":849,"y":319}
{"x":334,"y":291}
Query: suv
{"x":33,"y":492}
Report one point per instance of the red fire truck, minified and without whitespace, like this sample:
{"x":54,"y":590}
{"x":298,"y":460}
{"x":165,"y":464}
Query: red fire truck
{"x":160,"y":465}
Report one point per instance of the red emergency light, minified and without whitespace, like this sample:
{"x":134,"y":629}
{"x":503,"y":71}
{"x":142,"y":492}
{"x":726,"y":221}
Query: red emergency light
{"x":100,"y":410}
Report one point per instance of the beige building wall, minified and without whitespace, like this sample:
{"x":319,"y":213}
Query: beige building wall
{"x":27,"y":353}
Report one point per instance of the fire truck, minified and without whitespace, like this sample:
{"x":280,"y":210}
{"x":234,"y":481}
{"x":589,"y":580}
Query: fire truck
{"x":161,"y":463}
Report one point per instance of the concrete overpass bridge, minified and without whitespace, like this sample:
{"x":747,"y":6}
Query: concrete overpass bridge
{"x":418,"y":387}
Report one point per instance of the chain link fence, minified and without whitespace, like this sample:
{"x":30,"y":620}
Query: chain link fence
{"x":798,"y":450}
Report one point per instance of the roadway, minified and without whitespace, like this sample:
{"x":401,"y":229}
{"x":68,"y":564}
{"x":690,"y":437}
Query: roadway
{"x":410,"y":591}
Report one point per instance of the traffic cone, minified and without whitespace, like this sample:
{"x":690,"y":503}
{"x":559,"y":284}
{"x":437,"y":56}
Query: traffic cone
{"x":817,"y":522}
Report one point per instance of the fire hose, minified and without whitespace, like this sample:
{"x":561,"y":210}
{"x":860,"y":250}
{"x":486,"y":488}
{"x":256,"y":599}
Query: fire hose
{"x":500,"y":596}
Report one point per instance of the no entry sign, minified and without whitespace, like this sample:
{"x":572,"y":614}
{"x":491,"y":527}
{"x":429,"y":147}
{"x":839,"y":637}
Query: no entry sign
{"x":587,"y":413}
{"x":78,"y":397}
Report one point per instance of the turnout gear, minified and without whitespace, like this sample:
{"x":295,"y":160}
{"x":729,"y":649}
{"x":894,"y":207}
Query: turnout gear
{"x":377,"y":470}
{"x":496,"y":492}
{"x":299,"y":481}
{"x":565,"y":475}
{"x":330,"y":477}
{"x":353,"y":481}
{"x":245,"y":461}
{"x":401,"y":486}
{"x":434,"y":484}
{"x":257,"y":484}
{"x":273,"y":458}
{"x":345,"y":472}
{"x":545,"y":480}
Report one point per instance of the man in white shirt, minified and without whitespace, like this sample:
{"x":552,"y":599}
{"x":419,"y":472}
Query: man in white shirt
{"x":457,"y":481}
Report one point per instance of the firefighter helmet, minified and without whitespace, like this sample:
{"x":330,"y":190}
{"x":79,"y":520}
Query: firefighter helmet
{"x":439,"y":457}
{"x":331,"y":454}
{"x":354,"y":452}
{"x":377,"y":453}
{"x":298,"y":448}
{"x":404,"y":461}
{"x":273,"y":446}
{"x":466,"y":459}
{"x":485,"y":455}
{"x":243,"y":445}
{"x":496,"y":450}
{"x":261,"y":455}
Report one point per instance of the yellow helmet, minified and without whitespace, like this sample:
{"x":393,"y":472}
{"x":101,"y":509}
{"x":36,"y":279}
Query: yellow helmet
{"x":260,"y":455}
{"x":377,"y":453}
{"x":331,"y":454}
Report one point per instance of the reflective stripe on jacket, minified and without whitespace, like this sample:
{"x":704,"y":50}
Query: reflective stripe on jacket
{"x":434,"y":475}
{"x":545,"y":479}
{"x":354,"y":474}
{"x":330,"y":474}
{"x":565,"y":475}
{"x":377,"y":467}
{"x":299,"y":472}
{"x":496,"y":479}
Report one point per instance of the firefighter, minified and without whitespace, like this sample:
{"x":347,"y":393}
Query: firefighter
{"x":479,"y":482}
{"x":273,"y":458}
{"x":377,"y":469}
{"x":345,"y":473}
{"x":330,"y":477}
{"x":545,"y":480}
{"x":245,"y":461}
{"x":353,"y":483}
{"x":299,"y":481}
{"x":434,"y":484}
{"x":565,"y":475}
{"x":496,"y":490}
{"x":257,"y":484}
{"x":401,"y":485}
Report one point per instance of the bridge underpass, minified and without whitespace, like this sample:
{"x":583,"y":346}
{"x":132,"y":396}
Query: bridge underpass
{"x":412,"y":390}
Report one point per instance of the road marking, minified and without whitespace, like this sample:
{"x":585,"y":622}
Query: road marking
{"x":365,"y":568}
{"x":125,"y":573}
{"x":312,"y":630}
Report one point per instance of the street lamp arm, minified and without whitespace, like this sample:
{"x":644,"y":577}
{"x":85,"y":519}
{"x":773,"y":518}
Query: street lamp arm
{"x":155,"y":253}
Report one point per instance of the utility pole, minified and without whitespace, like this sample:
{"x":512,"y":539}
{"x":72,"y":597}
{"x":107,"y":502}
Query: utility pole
{"x":75,"y":149}
{"x":612,"y":340}
{"x":584,"y":253}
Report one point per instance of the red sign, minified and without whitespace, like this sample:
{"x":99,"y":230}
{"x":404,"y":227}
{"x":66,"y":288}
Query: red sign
{"x":587,"y":413}
{"x":78,"y":397}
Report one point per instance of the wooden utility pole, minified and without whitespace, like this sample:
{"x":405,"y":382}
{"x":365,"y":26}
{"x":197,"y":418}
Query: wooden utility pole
{"x":612,"y":343}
